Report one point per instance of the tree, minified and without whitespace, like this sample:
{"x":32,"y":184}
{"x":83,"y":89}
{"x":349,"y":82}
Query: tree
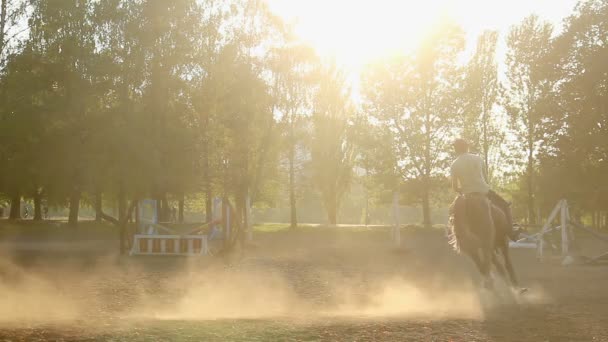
{"x":574,"y":119}
{"x":481,"y":122}
{"x":293,"y":68}
{"x":120,"y":167}
{"x":235,"y":103}
{"x":414,"y":99}
{"x":528,"y":46}
{"x":63,"y":33}
{"x":26,"y":90}
{"x":12,"y":13}
{"x":332,"y":149}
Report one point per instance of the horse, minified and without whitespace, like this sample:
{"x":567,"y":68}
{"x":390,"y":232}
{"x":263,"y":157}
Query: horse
{"x":480,"y":230}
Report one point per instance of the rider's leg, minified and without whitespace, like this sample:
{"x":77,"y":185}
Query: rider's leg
{"x":500,"y":202}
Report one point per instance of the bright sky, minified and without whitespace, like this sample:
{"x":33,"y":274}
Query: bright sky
{"x":357,"y":31}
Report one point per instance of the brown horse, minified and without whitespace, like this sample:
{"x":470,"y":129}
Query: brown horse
{"x":479,"y":230}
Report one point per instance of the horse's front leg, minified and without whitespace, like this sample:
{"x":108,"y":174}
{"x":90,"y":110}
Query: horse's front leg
{"x":509,"y":265}
{"x":499,"y":267}
{"x":483,"y":267}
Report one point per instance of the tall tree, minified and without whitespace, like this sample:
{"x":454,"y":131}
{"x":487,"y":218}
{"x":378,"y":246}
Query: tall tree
{"x":332,"y":148}
{"x":481,"y":123}
{"x":576,"y":115}
{"x":293,"y":68}
{"x":120,"y":168}
{"x":12,"y":14}
{"x":414,"y":98}
{"x":27,"y":92}
{"x":529,"y":44}
{"x":64,"y":34}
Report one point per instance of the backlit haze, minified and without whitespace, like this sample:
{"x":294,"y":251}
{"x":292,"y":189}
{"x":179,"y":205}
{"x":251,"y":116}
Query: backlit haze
{"x":356,"y":32}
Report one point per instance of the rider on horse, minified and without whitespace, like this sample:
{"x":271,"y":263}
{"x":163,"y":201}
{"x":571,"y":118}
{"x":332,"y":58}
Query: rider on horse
{"x":469,"y":178}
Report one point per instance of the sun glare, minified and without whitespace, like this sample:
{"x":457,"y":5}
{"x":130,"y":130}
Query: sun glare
{"x":355,"y":32}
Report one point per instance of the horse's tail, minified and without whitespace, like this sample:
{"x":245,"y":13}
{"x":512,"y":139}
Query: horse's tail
{"x":457,"y":222}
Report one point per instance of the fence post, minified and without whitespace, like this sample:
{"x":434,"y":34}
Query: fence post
{"x":248,"y":219}
{"x":564,"y":225}
{"x":396,"y":231}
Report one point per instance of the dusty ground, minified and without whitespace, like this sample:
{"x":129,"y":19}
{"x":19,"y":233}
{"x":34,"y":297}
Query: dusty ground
{"x":312,"y":285}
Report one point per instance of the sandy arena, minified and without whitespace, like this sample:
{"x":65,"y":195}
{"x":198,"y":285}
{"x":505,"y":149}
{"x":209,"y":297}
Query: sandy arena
{"x":308,"y":285}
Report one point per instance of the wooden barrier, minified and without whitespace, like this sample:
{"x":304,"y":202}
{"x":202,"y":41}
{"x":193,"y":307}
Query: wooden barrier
{"x":566,"y":226}
{"x":188,"y":245}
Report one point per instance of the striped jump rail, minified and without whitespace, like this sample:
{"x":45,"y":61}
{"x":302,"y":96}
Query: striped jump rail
{"x":187,"y":245}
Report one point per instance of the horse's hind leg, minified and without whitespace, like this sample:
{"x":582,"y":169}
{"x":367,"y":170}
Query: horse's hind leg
{"x":509,"y":265}
{"x":479,"y":263}
{"x":483,"y":261}
{"x":499,"y":267}
{"x":485,"y":268}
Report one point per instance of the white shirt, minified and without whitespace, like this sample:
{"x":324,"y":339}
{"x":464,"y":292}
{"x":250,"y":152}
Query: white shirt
{"x":468,"y":171}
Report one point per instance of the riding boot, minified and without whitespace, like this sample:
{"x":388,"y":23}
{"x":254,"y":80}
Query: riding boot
{"x":506,"y":208}
{"x":513,"y":233}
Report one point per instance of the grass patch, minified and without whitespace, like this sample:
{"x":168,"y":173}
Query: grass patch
{"x":55,"y":228}
{"x":270,"y":227}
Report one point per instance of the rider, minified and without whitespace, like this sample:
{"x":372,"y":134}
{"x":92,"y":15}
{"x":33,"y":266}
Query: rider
{"x":468,"y":174}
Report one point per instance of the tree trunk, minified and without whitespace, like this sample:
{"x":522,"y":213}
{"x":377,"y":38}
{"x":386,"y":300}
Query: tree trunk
{"x":37,"y":205}
{"x":122,"y":202}
{"x":207,"y":170}
{"x":292,"y":191}
{"x":240,"y":218}
{"x":366,"y":219}
{"x":208,"y":189}
{"x":426,"y":176}
{"x":74,"y":207}
{"x":159,"y":209}
{"x":530,"y":188}
{"x":15,"y":212}
{"x":227,"y":222}
{"x":426,"y":207}
{"x":122,"y":227}
{"x":530,"y":173}
{"x":180,"y":204}
{"x":98,"y":206}
{"x":166,"y":210}
{"x":485,"y":145}
{"x":332,"y":211}
{"x":208,"y":206}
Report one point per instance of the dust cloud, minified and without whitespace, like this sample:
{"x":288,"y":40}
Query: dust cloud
{"x":398,"y":298}
{"x":27,"y":298}
{"x":245,"y":294}
{"x":107,"y":289}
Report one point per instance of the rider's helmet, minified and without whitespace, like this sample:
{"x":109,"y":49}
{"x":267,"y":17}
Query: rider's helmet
{"x":460,"y":145}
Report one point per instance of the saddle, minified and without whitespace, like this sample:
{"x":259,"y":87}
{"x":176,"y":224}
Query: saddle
{"x":458,"y":230}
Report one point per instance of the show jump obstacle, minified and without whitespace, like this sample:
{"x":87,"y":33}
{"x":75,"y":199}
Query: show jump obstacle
{"x":152,"y":238}
{"x":558,"y":234}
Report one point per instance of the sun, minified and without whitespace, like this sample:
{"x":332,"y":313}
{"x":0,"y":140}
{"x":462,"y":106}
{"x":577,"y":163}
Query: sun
{"x":357,"y":32}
